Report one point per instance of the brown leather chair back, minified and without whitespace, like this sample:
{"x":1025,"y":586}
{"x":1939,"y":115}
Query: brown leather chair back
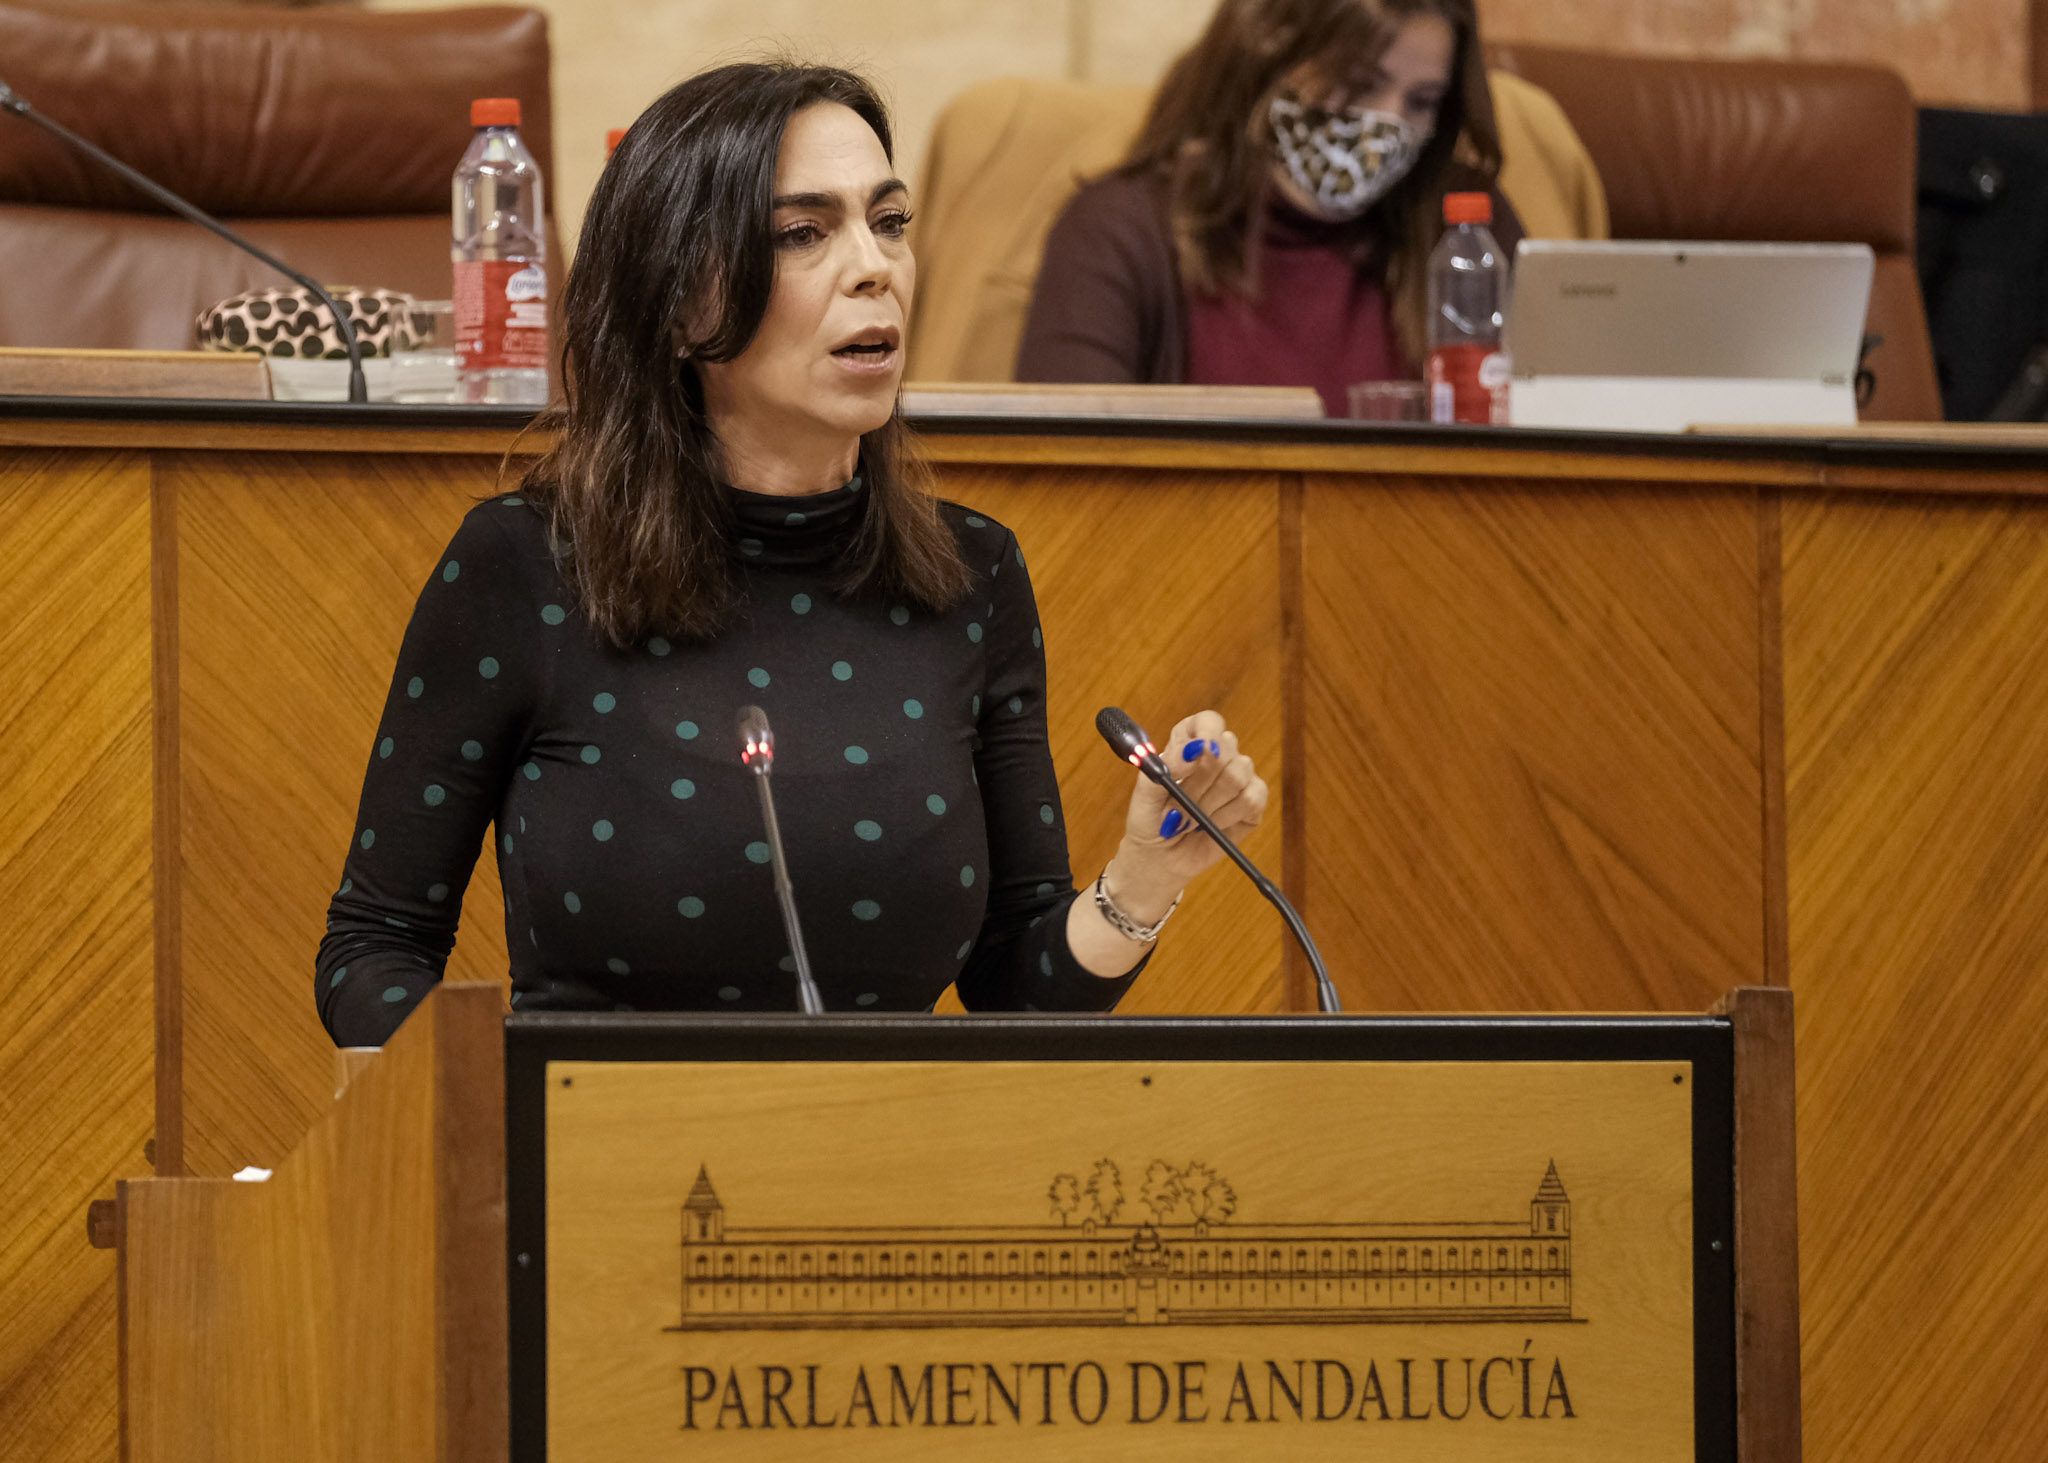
{"x":1763,"y":150}
{"x":327,"y":136}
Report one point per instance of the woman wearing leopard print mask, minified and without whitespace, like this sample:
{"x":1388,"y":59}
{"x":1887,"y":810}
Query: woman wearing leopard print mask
{"x":1272,"y":223}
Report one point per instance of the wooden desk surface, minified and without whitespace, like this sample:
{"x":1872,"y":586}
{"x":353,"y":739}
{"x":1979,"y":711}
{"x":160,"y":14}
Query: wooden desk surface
{"x":1558,"y":720}
{"x":1907,"y":457}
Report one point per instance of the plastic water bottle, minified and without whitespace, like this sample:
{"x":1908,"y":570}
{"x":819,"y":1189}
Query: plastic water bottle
{"x":500,"y":254}
{"x":1468,"y":296}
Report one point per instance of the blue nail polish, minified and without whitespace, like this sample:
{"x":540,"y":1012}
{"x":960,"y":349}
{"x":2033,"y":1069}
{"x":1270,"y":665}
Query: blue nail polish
{"x":1172,"y":823}
{"x":1192,"y":750}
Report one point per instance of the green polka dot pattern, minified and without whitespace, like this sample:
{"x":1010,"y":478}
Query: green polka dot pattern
{"x":926,"y":844}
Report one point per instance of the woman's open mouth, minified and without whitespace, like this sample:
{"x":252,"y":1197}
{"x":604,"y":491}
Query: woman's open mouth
{"x":871,"y":352}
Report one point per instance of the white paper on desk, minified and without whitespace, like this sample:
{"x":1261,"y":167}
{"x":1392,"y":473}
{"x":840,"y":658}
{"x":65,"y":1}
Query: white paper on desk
{"x":251,"y":1175}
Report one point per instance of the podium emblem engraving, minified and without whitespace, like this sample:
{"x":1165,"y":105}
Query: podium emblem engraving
{"x":1172,"y":1254}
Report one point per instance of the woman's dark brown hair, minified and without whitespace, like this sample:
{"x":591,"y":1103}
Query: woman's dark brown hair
{"x":680,"y":229}
{"x":1208,"y":142}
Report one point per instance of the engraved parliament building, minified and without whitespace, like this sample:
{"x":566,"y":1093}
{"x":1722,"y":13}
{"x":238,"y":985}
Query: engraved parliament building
{"x":1079,"y":1275}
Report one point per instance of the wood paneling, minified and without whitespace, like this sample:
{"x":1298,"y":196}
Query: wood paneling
{"x":1533,"y":731}
{"x":1527,"y":745}
{"x":1916,"y":727}
{"x":296,"y":579}
{"x":353,"y":1305}
{"x":75,"y":966}
{"x":1766,"y":1225}
{"x":1159,"y":593}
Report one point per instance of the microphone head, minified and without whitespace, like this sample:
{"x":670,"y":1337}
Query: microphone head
{"x":1125,"y":735}
{"x":757,"y":741}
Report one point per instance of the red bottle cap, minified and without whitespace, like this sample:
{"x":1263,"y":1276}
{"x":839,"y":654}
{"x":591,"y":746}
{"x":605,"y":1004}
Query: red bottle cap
{"x":494,"y":112}
{"x":1468,"y":208}
{"x":612,"y":140}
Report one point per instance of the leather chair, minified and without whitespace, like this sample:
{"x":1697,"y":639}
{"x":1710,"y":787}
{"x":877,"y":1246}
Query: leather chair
{"x":1761,"y":150}
{"x":328,"y":137}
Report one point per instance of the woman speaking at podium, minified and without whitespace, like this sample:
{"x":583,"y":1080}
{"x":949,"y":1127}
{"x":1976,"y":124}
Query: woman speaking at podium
{"x":732,"y":513}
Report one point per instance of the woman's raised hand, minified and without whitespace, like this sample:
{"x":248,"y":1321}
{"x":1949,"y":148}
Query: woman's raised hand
{"x":1162,"y":849}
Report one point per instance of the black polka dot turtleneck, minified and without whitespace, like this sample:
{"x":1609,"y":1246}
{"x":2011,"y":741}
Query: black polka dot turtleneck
{"x":913,"y":784}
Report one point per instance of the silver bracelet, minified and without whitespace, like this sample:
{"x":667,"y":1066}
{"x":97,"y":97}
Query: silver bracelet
{"x":1122,"y":923}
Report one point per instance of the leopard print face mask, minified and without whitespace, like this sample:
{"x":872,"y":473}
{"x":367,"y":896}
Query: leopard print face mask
{"x":1345,"y":161}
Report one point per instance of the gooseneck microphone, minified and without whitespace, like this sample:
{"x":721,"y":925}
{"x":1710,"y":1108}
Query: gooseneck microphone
{"x":758,"y":753}
{"x":11,"y":101}
{"x":1131,"y":743}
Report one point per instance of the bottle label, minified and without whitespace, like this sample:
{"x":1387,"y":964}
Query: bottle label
{"x":501,"y":315}
{"x":1468,"y":383}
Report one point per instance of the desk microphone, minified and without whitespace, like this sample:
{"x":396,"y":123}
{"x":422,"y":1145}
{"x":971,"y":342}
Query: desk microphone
{"x":1136,"y":748}
{"x":758,"y":753}
{"x":11,"y":101}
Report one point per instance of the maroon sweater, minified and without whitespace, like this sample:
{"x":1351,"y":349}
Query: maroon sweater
{"x":1109,"y":304}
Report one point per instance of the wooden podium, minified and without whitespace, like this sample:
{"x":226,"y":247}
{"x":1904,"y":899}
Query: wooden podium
{"x":655,"y":1237}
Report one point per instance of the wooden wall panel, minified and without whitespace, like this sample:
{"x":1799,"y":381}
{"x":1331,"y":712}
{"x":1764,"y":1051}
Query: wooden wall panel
{"x":354,"y":1304}
{"x":1532,"y":730}
{"x":1916,"y":731}
{"x":1159,"y":592}
{"x":297,"y":575}
{"x":76,"y":1020}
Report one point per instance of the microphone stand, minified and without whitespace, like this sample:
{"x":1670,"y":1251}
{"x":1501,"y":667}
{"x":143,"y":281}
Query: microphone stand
{"x":11,"y":101}
{"x":760,"y":756}
{"x":1121,"y":732}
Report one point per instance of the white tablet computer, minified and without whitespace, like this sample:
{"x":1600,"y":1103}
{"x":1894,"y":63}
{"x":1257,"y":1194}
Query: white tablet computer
{"x":1630,"y":335}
